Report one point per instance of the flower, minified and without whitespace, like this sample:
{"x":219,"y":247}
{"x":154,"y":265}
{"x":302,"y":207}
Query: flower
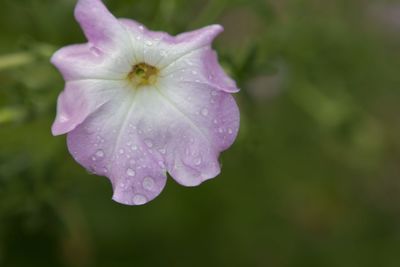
{"x":138,"y":104}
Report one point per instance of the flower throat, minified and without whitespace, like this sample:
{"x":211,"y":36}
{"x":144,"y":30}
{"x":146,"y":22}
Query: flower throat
{"x":143,"y":74}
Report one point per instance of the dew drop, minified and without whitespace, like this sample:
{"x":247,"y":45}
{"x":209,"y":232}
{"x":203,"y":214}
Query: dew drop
{"x":121,"y":151}
{"x":139,"y":200}
{"x":99,"y":153}
{"x":130,"y":172}
{"x":214,"y":93}
{"x":204,"y":112}
{"x":197,"y":161}
{"x":230,"y":131}
{"x":162,"y":150}
{"x":148,"y":183}
{"x":215,"y":121}
{"x":95,"y":51}
{"x":149,"y":43}
{"x":220,"y":130}
{"x":163,"y":53}
{"x":148,"y":143}
{"x":194,"y":72}
{"x":134,"y":147}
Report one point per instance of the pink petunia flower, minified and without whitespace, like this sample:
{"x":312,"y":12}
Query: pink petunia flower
{"x":138,"y":104}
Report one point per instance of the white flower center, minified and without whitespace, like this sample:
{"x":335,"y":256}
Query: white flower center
{"x":143,"y":74}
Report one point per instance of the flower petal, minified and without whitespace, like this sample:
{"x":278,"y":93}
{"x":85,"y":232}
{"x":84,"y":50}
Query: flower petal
{"x":85,"y":61}
{"x":99,"y":25}
{"x":109,"y":53}
{"x":190,"y":52}
{"x":81,"y":98}
{"x":112,"y":142}
{"x":208,"y":124}
{"x":200,"y":66}
{"x":181,"y":128}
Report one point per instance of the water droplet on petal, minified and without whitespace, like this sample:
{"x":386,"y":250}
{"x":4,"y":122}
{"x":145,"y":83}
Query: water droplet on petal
{"x":162,"y":150}
{"x":148,"y":143}
{"x":95,"y":51}
{"x":121,"y":151}
{"x":139,"y":200}
{"x":197,"y":161}
{"x":230,"y":131}
{"x":148,"y":183}
{"x":220,"y":130}
{"x":214,"y":93}
{"x":163,"y":53}
{"x":149,"y":43}
{"x":130,"y":172}
{"x":204,"y":112}
{"x":215,"y":121}
{"x":99,"y":153}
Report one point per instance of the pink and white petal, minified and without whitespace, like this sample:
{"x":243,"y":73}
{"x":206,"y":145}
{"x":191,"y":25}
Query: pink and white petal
{"x":111,"y":143}
{"x":201,"y":66}
{"x":99,"y":25}
{"x":81,"y":98}
{"x":171,"y":133}
{"x":207,"y":123}
{"x":104,"y":32}
{"x":185,"y":44}
{"x":134,"y":139}
{"x":85,"y":61}
{"x":161,"y":49}
{"x":188,"y":124}
{"x":149,"y":46}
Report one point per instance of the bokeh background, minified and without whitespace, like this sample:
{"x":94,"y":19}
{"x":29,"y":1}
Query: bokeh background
{"x":313,"y":179}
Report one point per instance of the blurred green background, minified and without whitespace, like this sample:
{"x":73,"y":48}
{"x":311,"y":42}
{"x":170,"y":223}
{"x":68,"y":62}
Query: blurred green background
{"x":312,"y":180}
